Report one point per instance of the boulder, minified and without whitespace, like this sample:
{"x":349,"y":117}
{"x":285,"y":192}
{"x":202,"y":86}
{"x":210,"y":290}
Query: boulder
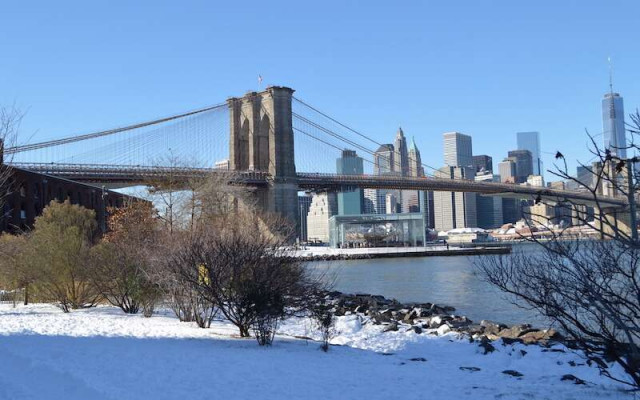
{"x":516,"y":331}
{"x":472,"y":329}
{"x":542,"y":337}
{"x":443,"y":329}
{"x":458,"y":322}
{"x":491,"y":327}
{"x":392,"y":327}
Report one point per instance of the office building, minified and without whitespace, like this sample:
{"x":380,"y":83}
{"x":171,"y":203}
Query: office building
{"x":524,"y":164}
{"x":531,"y":141}
{"x":304,"y":202}
{"x":458,"y":150}
{"x":400,"y":155}
{"x":483,"y":163}
{"x":613,"y":128}
{"x":323,"y":206}
{"x":454,"y":209}
{"x":383,"y":160}
{"x":415,"y":161}
{"x":507,"y":170}
{"x":488,"y":208}
{"x":535,"y":180}
{"x":351,"y":202}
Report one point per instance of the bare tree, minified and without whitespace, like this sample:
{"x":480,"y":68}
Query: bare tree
{"x":126,"y":252}
{"x":10,"y":120}
{"x":591,"y":289}
{"x":249,"y":274}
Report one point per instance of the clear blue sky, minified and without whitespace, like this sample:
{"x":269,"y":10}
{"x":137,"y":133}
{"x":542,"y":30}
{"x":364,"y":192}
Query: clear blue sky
{"x":488,"y":69}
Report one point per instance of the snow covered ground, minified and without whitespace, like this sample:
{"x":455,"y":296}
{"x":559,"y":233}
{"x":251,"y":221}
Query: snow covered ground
{"x":102,"y":353}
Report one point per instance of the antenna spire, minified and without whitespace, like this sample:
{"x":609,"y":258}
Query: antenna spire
{"x":610,"y":74}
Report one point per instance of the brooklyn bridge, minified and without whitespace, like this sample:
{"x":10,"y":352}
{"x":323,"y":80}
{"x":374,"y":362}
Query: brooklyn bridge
{"x":270,"y":140}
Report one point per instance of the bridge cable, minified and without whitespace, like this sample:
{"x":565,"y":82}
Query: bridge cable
{"x":77,"y":138}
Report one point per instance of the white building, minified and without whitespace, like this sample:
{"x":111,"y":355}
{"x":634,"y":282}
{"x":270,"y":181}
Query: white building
{"x":323,"y":206}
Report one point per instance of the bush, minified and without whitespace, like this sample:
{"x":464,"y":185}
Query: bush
{"x":246,"y":271}
{"x":58,"y":251}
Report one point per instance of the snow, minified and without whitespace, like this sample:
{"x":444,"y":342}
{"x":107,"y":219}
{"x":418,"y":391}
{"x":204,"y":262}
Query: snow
{"x":465,"y":230}
{"x":101,"y":353}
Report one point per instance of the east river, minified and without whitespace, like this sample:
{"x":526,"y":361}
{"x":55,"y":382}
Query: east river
{"x":452,"y":281}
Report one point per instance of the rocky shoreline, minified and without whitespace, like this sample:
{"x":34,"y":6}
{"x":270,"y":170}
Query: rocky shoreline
{"x":434,"y":319}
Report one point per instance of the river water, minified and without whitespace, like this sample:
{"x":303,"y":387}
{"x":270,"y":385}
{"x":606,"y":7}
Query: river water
{"x":452,"y":281}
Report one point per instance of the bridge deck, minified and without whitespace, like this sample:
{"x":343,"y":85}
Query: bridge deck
{"x":130,"y":175}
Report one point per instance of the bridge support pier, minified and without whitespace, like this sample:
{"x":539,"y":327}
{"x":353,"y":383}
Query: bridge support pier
{"x":261,"y":139}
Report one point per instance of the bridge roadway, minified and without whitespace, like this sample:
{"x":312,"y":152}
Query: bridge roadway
{"x":119,"y":176}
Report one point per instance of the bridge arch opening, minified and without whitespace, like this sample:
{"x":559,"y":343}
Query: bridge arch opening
{"x":264,"y":135}
{"x":243,"y":146}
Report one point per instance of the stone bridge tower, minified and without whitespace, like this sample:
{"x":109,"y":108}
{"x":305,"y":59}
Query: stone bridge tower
{"x":261,"y":139}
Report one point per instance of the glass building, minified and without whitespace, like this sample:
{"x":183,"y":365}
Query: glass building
{"x":458,"y":150}
{"x":531,"y":141}
{"x":385,"y":230}
{"x":615,"y":138}
{"x":351,"y":202}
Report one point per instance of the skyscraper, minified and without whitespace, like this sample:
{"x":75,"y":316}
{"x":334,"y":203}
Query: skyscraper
{"x":323,"y":206}
{"x":524,"y":164}
{"x":507,"y":170}
{"x":400,"y":156}
{"x":613,"y":129}
{"x":304,"y":202}
{"x":415,"y":161}
{"x":350,"y":203}
{"x":488,"y":208}
{"x":412,"y":199}
{"x":383,"y":160}
{"x":531,"y":141}
{"x":483,"y":163}
{"x":454,"y":209}
{"x":458,"y":151}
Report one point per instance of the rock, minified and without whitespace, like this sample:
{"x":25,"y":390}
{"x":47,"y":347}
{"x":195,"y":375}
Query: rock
{"x":458,"y":322}
{"x":472,"y":369}
{"x":361,"y":308}
{"x":417,"y":329}
{"x":512,"y":373}
{"x":443,"y":329}
{"x":392,"y":327}
{"x":410,"y":316}
{"x":491,"y":327}
{"x":515,"y":331}
{"x":486,"y":345}
{"x":420,"y":359}
{"x":540,"y":336}
{"x":472,"y":329}
{"x":575,"y":379}
{"x":523,"y":353}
